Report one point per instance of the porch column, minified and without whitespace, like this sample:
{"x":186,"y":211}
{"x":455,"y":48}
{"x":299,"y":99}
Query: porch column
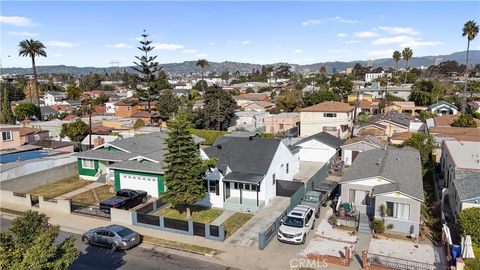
{"x":257,"y":194}
{"x":241,"y":187}
{"x":224,"y":191}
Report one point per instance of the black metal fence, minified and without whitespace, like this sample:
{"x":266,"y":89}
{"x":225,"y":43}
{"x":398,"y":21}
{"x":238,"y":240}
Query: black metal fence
{"x":398,"y":263}
{"x":176,"y":224}
{"x":199,"y":229}
{"x":87,"y":209}
{"x":266,"y":236}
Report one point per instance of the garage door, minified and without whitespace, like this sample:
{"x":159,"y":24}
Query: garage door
{"x":314,"y":154}
{"x":137,"y":182}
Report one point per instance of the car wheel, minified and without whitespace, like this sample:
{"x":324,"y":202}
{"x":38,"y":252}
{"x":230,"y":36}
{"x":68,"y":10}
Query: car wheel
{"x":144,"y":200}
{"x":85,"y":240}
{"x":113,"y":247}
{"x":304,"y":238}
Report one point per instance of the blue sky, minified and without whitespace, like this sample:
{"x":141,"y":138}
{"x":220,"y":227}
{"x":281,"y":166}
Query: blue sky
{"x":95,"y":33}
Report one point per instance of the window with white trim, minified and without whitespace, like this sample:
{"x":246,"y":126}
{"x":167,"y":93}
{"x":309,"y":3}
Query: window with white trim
{"x":330,"y":115}
{"x":6,"y":135}
{"x":398,"y":210}
{"x":88,"y":164}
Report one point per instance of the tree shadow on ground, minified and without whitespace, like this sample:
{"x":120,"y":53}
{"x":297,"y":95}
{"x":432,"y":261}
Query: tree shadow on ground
{"x":95,"y":257}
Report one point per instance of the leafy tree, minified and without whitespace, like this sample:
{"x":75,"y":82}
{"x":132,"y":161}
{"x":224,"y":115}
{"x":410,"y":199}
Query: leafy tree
{"x":147,"y":67}
{"x":185,"y":170}
{"x":470,"y":30}
{"x":396,"y":57}
{"x":30,"y":244}
{"x":167,"y":103}
{"x":202,"y":63}
{"x":319,"y":96}
{"x":198,"y":119}
{"x":342,"y":86}
{"x":219,"y":107}
{"x":32,"y":48}
{"x":469,"y":221}
{"x":289,"y":101}
{"x":424,"y":115}
{"x":392,"y":98}
{"x":362,"y":118}
{"x":138,"y":124}
{"x":74,"y":92}
{"x":423,"y":143}
{"x":200,"y":85}
{"x":6,"y":115}
{"x":465,"y":120}
{"x":26,"y":110}
{"x":76,"y":131}
{"x":283,"y":71}
{"x":407,"y":54}
{"x":102,"y":99}
{"x":426,"y":92}
{"x":15,"y":90}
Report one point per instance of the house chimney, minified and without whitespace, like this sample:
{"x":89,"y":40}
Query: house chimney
{"x":98,"y":141}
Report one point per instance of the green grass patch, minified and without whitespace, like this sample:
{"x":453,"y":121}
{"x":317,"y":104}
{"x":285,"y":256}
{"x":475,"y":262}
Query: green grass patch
{"x":181,"y":246}
{"x":59,"y":188}
{"x":87,"y":197}
{"x":199,"y":214}
{"x":233,"y":223}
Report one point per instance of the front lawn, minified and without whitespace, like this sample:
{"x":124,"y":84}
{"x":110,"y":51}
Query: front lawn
{"x":199,"y":214}
{"x":233,"y":223}
{"x":59,"y":188}
{"x":87,"y":197}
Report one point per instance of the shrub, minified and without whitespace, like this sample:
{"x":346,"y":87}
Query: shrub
{"x":138,"y":124}
{"x":378,"y":226}
{"x":469,"y":221}
{"x":266,"y":135}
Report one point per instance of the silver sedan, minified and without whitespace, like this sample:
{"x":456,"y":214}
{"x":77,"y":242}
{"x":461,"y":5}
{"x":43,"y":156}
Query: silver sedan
{"x":115,"y":237}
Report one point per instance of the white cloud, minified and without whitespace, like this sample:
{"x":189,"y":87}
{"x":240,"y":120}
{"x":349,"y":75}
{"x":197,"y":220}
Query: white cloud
{"x":392,"y":40}
{"x":16,"y":20}
{"x":245,"y":42}
{"x":298,"y":51}
{"x":118,"y":46}
{"x":211,"y":43}
{"x":189,"y":51}
{"x":338,"y":51}
{"x":202,"y":55}
{"x":394,"y":30}
{"x":352,"y":42}
{"x":380,"y":53}
{"x":341,"y":35}
{"x":24,"y":33}
{"x":311,"y":22}
{"x":366,"y":34}
{"x":343,"y":20}
{"x":61,"y":44}
{"x":167,"y":46}
{"x":420,"y":43}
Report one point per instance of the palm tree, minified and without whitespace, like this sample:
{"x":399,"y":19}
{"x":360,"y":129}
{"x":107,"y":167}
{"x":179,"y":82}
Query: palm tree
{"x":407,"y":54}
{"x":202,"y":63}
{"x":470,"y":30}
{"x":396,"y":57}
{"x":32,"y":48}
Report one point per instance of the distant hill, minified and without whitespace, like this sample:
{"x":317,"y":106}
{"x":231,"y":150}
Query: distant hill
{"x":190,"y":67}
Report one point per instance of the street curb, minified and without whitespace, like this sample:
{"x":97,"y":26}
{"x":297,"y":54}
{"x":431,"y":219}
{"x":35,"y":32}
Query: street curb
{"x":151,"y":244}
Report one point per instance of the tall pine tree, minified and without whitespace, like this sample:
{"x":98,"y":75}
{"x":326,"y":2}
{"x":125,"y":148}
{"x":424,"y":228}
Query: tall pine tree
{"x":185,"y":170}
{"x":147,"y":67}
{"x":6,"y":116}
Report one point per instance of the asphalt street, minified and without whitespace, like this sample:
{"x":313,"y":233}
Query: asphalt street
{"x":93,"y":257}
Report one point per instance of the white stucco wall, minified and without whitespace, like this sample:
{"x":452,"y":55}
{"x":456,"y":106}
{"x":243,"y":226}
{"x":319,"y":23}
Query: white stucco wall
{"x":316,"y":151}
{"x":314,"y":122}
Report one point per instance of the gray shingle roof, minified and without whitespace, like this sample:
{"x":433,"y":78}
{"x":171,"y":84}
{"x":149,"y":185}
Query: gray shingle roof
{"x":244,"y":155}
{"x":398,"y":118}
{"x":144,"y":166}
{"x":105,"y":155}
{"x":243,"y":177}
{"x":401,"y":166}
{"x":323,"y":137}
{"x":467,"y":184}
{"x":442,"y":102}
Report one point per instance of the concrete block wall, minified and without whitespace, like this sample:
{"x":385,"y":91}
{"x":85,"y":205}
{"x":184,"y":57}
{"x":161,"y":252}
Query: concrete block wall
{"x":7,"y":196}
{"x":121,"y":216}
{"x":345,"y":261}
{"x":60,"y":205}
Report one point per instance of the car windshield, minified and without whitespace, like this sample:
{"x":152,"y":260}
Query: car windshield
{"x":125,"y":232}
{"x":293,"y":222}
{"x":310,"y":198}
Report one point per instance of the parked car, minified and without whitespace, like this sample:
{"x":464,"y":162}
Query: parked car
{"x":124,"y":199}
{"x":296,"y":225}
{"x":327,"y":188}
{"x":314,"y":199}
{"x":115,"y":237}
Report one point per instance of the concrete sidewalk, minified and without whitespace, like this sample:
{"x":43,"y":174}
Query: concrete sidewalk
{"x":80,"y":190}
{"x":224,"y":216}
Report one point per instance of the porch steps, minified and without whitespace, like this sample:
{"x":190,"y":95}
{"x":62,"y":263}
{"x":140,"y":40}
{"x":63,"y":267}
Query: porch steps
{"x":364,"y":224}
{"x":102,"y":179}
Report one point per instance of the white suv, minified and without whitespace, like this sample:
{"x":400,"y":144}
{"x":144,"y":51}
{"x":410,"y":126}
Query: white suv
{"x":296,"y":225}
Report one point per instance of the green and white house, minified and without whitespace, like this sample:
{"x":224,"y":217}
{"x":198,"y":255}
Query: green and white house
{"x":132,"y":163}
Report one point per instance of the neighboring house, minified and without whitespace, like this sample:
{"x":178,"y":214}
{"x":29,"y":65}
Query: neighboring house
{"x":460,"y":166}
{"x":98,"y":140}
{"x":149,"y":118}
{"x":244,"y":99}
{"x":10,"y":137}
{"x":370,"y":77}
{"x":54,"y":127}
{"x":126,"y":108}
{"x":110,"y":107}
{"x":181,"y":92}
{"x":48,"y":113}
{"x":30,"y":135}
{"x":320,"y":147}
{"x":361,"y":97}
{"x":391,"y":177}
{"x":246,"y":172}
{"x":406,"y":107}
{"x":352,"y":147}
{"x":259,"y":106}
{"x":72,"y":102}
{"x":333,"y":117}
{"x":59,"y":146}
{"x":385,"y":125}
{"x":62,"y":108}
{"x":400,"y":137}
{"x":255,"y":86}
{"x":53,"y":98}
{"x":442,"y":108}
{"x":133,"y":163}
{"x":93,"y":94}
{"x":250,"y":121}
{"x":282,"y":122}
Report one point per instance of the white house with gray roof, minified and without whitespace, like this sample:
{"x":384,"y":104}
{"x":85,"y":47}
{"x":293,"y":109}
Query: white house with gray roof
{"x":386,"y":176}
{"x":460,"y":165}
{"x":133,"y":163}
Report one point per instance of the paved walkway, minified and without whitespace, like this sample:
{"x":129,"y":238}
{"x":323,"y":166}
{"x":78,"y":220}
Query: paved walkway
{"x":224,"y":216}
{"x":80,"y":190}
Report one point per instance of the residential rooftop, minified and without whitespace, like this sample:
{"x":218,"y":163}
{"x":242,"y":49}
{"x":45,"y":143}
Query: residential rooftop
{"x":329,"y":106}
{"x":465,"y":155}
